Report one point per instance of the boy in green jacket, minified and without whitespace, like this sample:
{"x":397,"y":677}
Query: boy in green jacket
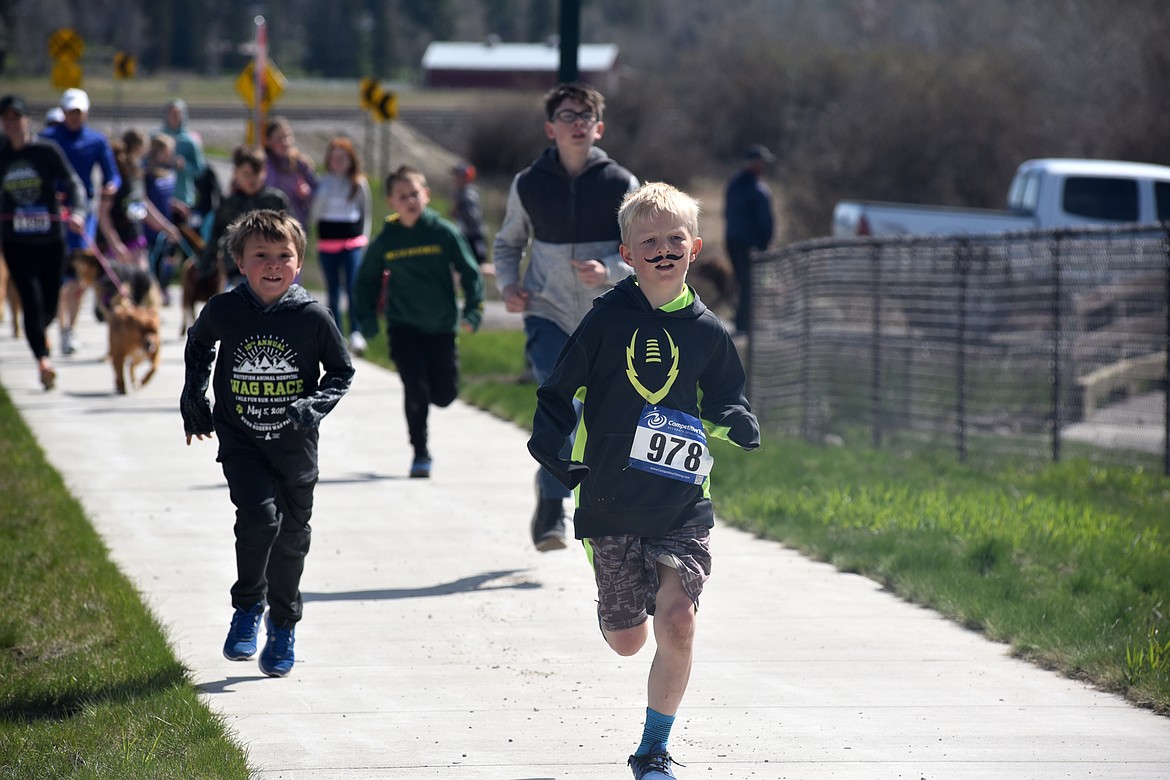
{"x":407,"y":270}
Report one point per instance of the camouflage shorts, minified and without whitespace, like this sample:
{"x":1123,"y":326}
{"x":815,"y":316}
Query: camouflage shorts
{"x":626,"y":571}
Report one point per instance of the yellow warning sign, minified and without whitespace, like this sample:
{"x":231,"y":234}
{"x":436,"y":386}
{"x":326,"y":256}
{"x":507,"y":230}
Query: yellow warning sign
{"x":125,"y":65}
{"x":272,"y":85}
{"x":65,"y":74}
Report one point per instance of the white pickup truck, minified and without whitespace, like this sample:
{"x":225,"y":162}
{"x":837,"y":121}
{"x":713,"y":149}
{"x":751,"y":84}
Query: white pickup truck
{"x":1045,"y":193}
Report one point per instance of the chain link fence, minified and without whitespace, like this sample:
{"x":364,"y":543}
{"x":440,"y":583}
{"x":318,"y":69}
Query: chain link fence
{"x":1046,"y":344}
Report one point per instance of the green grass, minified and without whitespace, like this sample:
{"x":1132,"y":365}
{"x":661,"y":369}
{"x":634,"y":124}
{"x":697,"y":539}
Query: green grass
{"x":1068,"y":563}
{"x":88,"y":686}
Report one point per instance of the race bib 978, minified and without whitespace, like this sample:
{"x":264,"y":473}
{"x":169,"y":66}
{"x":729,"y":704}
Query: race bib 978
{"x":671,"y":444}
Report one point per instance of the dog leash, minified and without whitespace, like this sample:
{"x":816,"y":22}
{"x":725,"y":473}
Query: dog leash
{"x":105,"y":264}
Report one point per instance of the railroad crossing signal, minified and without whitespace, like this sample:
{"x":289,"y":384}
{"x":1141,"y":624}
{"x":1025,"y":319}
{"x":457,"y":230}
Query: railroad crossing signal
{"x":66,"y":44}
{"x":66,"y":48}
{"x":125,"y":66}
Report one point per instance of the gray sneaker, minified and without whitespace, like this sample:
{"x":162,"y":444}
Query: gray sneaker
{"x":69,"y":345}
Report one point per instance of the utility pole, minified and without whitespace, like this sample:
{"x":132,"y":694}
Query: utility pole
{"x":261,"y":64}
{"x":570,"y":24}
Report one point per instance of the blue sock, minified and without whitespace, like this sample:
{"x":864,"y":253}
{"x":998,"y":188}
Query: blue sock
{"x":657,"y":731}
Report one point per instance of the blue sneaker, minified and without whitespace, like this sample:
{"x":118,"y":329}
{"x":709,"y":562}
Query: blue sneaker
{"x":654,"y":765}
{"x":241,"y":639}
{"x":420,"y":468}
{"x":277,"y":658}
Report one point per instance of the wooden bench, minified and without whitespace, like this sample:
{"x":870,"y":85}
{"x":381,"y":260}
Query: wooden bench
{"x":1128,"y":374}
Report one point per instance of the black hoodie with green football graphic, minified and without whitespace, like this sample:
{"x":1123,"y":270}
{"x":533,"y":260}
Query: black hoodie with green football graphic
{"x":623,"y":359}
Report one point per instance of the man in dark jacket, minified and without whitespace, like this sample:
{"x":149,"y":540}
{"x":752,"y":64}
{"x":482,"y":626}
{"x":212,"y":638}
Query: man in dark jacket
{"x":748,"y":225}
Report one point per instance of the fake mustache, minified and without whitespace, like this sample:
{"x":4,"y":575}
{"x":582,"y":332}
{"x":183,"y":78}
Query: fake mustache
{"x":671,"y":258}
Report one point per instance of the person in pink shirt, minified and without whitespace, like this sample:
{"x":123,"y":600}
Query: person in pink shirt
{"x":341,"y":211}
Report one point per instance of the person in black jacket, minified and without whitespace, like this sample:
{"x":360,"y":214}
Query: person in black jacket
{"x":270,"y":397}
{"x":658,"y":373}
{"x":32,"y":232}
{"x":748,"y":225}
{"x":248,"y":193}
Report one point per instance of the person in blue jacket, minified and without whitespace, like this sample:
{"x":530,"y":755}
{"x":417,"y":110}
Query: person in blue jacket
{"x":85,"y":148}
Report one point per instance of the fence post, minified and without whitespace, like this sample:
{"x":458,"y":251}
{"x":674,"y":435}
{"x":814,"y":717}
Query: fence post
{"x":876,"y":380}
{"x":1055,"y":363}
{"x":805,"y":352}
{"x":1166,"y":377}
{"x":963,"y":265}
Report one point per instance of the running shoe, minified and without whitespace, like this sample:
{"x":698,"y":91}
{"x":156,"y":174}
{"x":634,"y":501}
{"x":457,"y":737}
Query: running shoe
{"x":420,"y":468}
{"x":357,"y":344}
{"x":69,"y":345}
{"x":548,"y":524}
{"x":241,"y":639}
{"x":654,"y":765}
{"x":277,"y":658}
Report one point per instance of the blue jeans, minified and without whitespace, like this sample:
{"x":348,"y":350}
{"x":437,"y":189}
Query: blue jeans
{"x":333,"y":265}
{"x":544,"y":341}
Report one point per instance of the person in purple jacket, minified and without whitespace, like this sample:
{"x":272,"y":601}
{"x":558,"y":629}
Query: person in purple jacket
{"x":289,"y":169}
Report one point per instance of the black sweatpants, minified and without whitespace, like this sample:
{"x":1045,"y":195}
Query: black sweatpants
{"x":741,"y":262}
{"x":36,"y":271}
{"x":429,"y":369}
{"x":272,"y":535}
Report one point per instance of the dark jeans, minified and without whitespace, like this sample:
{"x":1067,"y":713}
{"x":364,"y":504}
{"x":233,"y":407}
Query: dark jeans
{"x":36,"y":271}
{"x":272,"y":536}
{"x":544,"y":341}
{"x":741,"y":261}
{"x":429,"y":368}
{"x":334,"y":266}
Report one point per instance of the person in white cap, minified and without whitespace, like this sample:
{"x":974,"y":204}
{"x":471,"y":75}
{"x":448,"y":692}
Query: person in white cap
{"x":84,"y":147}
{"x":54,"y":116}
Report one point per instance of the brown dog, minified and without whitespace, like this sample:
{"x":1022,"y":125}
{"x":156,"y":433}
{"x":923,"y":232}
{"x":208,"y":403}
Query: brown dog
{"x":8,"y":288}
{"x":135,"y":337}
{"x":197,"y":287}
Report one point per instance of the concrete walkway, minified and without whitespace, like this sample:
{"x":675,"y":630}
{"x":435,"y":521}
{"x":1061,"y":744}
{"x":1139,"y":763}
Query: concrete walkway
{"x":437,"y":644}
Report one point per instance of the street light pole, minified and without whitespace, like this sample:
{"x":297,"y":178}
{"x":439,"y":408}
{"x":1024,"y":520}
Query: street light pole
{"x":570,"y":24}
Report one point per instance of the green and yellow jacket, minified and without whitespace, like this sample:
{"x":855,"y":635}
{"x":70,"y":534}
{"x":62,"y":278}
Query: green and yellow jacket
{"x":623,"y":358}
{"x":420,"y":290}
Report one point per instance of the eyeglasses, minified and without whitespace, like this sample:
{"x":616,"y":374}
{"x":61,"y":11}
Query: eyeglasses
{"x":568,"y":116}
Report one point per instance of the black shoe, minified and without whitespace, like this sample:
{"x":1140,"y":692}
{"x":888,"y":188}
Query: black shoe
{"x":548,"y":524}
{"x":420,"y":468}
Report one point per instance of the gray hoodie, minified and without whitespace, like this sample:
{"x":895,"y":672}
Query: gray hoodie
{"x":565,"y":218}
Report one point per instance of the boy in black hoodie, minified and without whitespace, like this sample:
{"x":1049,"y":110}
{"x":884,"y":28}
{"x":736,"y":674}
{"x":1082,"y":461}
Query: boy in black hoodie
{"x":657,"y":373}
{"x":270,"y":397}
